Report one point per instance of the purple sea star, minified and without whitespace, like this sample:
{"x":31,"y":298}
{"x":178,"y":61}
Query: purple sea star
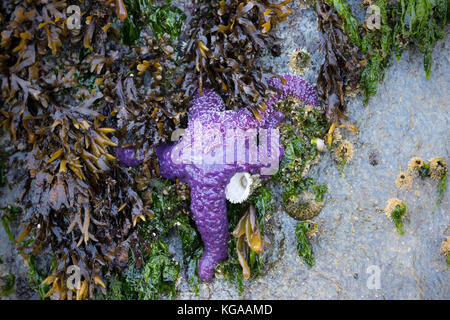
{"x":199,"y":158}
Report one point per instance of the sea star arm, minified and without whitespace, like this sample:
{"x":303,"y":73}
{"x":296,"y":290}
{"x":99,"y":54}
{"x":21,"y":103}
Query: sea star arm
{"x":208,"y":205}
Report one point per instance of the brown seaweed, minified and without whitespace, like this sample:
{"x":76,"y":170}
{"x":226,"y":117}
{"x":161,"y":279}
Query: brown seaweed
{"x":340,"y":71}
{"x":68,"y":98}
{"x":225,"y":44}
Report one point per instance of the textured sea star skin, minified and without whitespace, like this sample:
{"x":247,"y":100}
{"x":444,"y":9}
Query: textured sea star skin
{"x":209,"y":180}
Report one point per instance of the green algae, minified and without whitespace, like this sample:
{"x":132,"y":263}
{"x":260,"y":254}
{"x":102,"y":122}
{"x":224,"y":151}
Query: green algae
{"x":156,"y":274}
{"x":37,"y":274}
{"x":8,"y":216}
{"x":166,"y":19}
{"x":156,"y":277}
{"x":161,"y":19}
{"x":304,"y":247}
{"x":406,"y":22}
{"x":397,"y":216}
{"x":297,"y":135}
{"x":442,"y":186}
{"x":7,"y":287}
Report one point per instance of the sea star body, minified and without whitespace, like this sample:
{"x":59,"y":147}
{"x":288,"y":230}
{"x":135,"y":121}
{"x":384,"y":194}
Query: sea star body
{"x":208,"y":155}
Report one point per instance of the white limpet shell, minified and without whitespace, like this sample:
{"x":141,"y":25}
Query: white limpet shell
{"x":239,"y":188}
{"x":320,"y":144}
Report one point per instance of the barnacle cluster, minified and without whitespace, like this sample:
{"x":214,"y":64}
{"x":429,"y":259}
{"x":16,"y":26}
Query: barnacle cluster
{"x":435,"y":168}
{"x":224,"y":47}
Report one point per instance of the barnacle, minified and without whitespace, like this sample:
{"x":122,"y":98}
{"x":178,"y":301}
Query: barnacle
{"x":403,"y":180}
{"x":395,"y":210}
{"x":344,"y":150}
{"x":224,"y":49}
{"x":335,"y":137}
{"x":415,"y":165}
{"x":249,"y":238}
{"x":177,"y":134}
{"x":438,"y":168}
{"x":343,"y":153}
{"x":305,"y":3}
{"x":300,"y":61}
{"x":445,"y":249}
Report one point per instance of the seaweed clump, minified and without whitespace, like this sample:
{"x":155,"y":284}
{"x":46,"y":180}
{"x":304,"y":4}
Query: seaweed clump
{"x":155,"y":273}
{"x":247,"y":222}
{"x":249,"y":237}
{"x":302,"y":196}
{"x":156,"y":277}
{"x":165,"y":19}
{"x":69,"y":97}
{"x":406,"y":22}
{"x":340,"y":71}
{"x":223,"y":51}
